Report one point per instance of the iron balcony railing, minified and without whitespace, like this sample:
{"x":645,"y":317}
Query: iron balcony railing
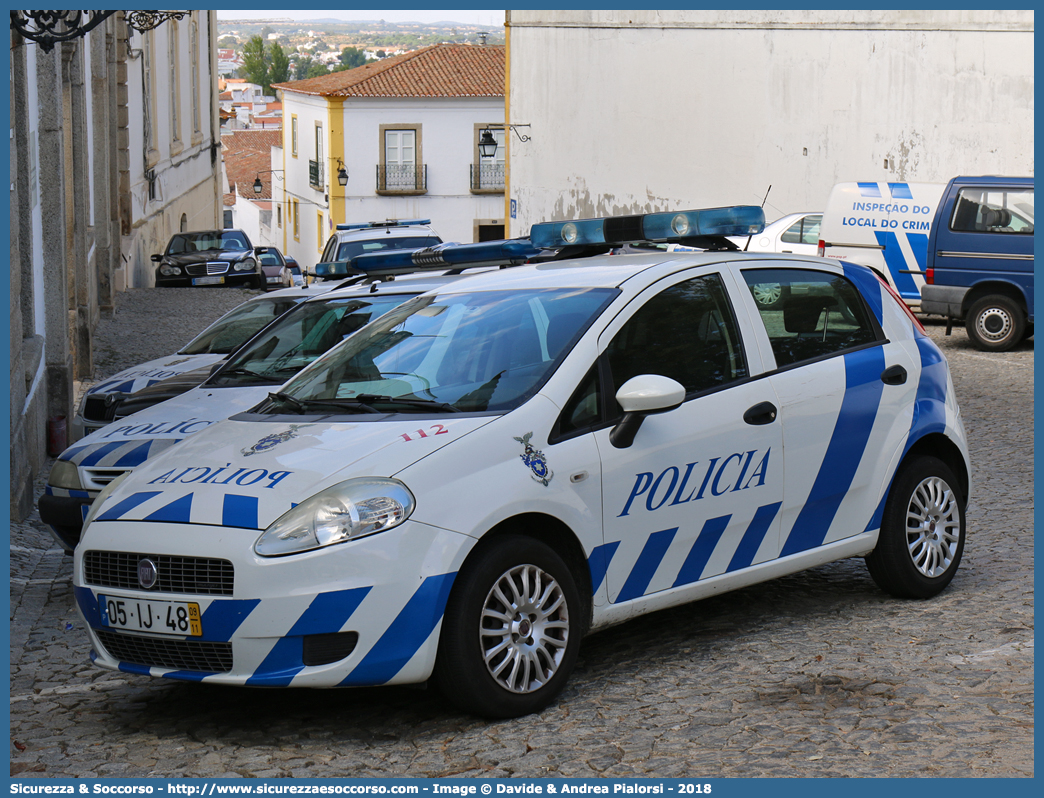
{"x":315,"y":174}
{"x":488,"y":177}
{"x":404,"y":177}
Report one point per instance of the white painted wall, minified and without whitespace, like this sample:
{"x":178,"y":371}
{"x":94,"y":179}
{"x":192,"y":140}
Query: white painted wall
{"x":636,"y":111}
{"x":447,"y":146}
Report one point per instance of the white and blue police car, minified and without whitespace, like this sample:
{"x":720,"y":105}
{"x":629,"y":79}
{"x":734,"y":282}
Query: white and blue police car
{"x":463,"y":489}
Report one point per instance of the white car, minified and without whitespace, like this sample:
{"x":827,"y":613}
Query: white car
{"x":100,"y":405}
{"x":467,"y":486}
{"x":795,"y":233}
{"x":351,"y":240}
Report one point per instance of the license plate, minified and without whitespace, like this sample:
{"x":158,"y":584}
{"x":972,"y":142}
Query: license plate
{"x":146,"y":615}
{"x":274,"y":280}
{"x":214,"y":280}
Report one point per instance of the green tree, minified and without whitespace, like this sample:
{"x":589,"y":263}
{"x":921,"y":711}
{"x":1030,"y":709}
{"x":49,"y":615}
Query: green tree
{"x":352,"y":57}
{"x":303,"y":65}
{"x":278,"y":65}
{"x":255,"y":64}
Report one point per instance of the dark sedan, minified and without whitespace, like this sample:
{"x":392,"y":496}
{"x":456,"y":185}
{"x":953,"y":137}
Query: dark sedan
{"x":210,"y":257}
{"x":276,"y":268}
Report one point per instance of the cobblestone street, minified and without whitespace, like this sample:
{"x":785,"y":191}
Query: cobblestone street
{"x":818,"y":674}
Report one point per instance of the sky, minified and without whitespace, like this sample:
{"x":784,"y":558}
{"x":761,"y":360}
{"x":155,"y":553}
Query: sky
{"x":471,"y":15}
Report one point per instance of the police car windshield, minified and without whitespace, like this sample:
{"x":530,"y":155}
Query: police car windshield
{"x":349,"y":249}
{"x":239,"y":325}
{"x":300,"y":337}
{"x":483,"y":351}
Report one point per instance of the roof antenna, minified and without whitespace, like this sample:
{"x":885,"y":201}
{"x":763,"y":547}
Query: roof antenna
{"x":763,"y":201}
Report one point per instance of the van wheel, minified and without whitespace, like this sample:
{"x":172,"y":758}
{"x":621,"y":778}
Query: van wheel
{"x":922,"y":531}
{"x":511,"y":631}
{"x":995,"y":323}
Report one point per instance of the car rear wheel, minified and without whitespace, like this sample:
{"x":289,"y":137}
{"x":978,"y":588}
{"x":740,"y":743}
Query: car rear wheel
{"x":511,"y":631}
{"x":767,"y":295}
{"x":995,"y":323}
{"x":922,"y":531}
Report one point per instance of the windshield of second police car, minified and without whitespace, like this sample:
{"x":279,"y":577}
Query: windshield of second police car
{"x":300,"y":336}
{"x":483,"y":351}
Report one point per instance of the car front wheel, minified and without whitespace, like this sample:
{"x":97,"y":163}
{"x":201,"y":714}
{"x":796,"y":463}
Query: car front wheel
{"x":995,"y":323}
{"x":511,"y":631}
{"x":922,"y":531}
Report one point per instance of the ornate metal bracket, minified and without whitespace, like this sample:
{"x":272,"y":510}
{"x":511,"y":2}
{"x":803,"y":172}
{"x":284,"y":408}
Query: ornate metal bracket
{"x":48,"y":28}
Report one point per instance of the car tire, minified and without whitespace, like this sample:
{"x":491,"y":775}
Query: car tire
{"x":515,"y":605}
{"x":922,"y":531}
{"x":995,"y":323}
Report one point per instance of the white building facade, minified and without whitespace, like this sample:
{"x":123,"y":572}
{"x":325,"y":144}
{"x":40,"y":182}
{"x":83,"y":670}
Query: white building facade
{"x":407,"y":136}
{"x":112,"y":138}
{"x":636,"y":111}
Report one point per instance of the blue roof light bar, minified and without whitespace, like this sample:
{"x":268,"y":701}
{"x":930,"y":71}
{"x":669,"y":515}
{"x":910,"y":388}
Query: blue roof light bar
{"x":446,"y":256}
{"x":736,"y":220}
{"x":385,"y":223}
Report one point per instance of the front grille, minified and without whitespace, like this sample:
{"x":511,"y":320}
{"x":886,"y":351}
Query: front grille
{"x":96,"y":408}
{"x":157,"y":652}
{"x":98,"y":478}
{"x":198,"y":575}
{"x":204,"y":269}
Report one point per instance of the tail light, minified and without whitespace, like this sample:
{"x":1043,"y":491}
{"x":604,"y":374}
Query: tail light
{"x":902,"y":304}
{"x":822,"y":249}
{"x":929,"y":276}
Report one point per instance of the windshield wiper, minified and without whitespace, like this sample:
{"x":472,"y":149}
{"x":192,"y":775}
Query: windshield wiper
{"x":286,"y":398}
{"x":413,"y":402}
{"x":346,"y":404}
{"x":240,"y":371}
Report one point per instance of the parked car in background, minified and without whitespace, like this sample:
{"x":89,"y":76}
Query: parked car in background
{"x":104,"y":402}
{"x":275,"y":268}
{"x":351,"y":240}
{"x":210,"y":257}
{"x":795,"y":233}
{"x":295,"y":270}
{"x":980,"y":260}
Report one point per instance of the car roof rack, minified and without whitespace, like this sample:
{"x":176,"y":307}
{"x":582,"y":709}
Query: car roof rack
{"x":385,"y":223}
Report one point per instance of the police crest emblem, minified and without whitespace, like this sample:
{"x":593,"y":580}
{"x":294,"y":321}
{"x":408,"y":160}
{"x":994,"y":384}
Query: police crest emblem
{"x":270,"y":441}
{"x":536,"y":460}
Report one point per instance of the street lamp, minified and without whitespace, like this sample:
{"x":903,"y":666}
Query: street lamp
{"x":487,"y":144}
{"x":258,"y":185}
{"x":342,"y":173}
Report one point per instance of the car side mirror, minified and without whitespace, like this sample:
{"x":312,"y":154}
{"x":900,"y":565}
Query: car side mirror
{"x":261,"y":250}
{"x":155,"y":258}
{"x":639,"y":397}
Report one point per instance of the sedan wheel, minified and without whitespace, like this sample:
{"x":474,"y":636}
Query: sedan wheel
{"x":511,"y":634}
{"x":922,"y":531}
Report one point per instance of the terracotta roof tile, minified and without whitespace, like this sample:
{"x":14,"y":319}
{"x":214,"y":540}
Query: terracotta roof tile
{"x":442,"y":70}
{"x":247,"y":154}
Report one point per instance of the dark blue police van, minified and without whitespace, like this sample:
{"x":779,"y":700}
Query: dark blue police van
{"x":980,"y":260}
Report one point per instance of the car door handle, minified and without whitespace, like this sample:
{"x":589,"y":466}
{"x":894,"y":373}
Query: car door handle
{"x":894,"y":375}
{"x":761,"y":413}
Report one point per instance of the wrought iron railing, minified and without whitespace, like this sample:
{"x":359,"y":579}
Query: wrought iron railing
{"x":488,"y":177}
{"x":402,"y":177}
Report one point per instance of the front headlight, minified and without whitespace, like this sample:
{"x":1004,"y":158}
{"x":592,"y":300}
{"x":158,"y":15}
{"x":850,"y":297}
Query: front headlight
{"x":347,"y":511}
{"x":246,"y":265}
{"x":65,"y":475}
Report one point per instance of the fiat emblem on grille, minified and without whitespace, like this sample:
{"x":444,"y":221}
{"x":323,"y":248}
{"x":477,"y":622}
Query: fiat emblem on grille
{"x":147,"y":573}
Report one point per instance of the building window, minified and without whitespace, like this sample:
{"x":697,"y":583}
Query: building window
{"x":316,"y":178}
{"x":293,"y":135}
{"x":279,"y":215}
{"x":175,"y":81}
{"x":296,"y":216}
{"x":227,"y":219}
{"x":401,"y":169}
{"x":197,"y":125}
{"x":319,"y":230}
{"x":148,"y":107}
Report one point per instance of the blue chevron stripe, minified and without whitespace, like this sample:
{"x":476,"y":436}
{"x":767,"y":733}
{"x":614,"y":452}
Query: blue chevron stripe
{"x":135,"y":457}
{"x":648,"y":561}
{"x":239,"y":511}
{"x":598,"y":563}
{"x":177,"y":512}
{"x":752,"y":538}
{"x":863,"y":390}
{"x":327,"y":613}
{"x":904,"y":283}
{"x":98,"y":454}
{"x":406,"y":634}
{"x":702,"y":548}
{"x":128,"y":504}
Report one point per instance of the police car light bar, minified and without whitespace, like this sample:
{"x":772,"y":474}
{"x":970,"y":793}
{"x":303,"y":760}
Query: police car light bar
{"x":735,"y":220}
{"x":385,"y":223}
{"x":446,"y":256}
